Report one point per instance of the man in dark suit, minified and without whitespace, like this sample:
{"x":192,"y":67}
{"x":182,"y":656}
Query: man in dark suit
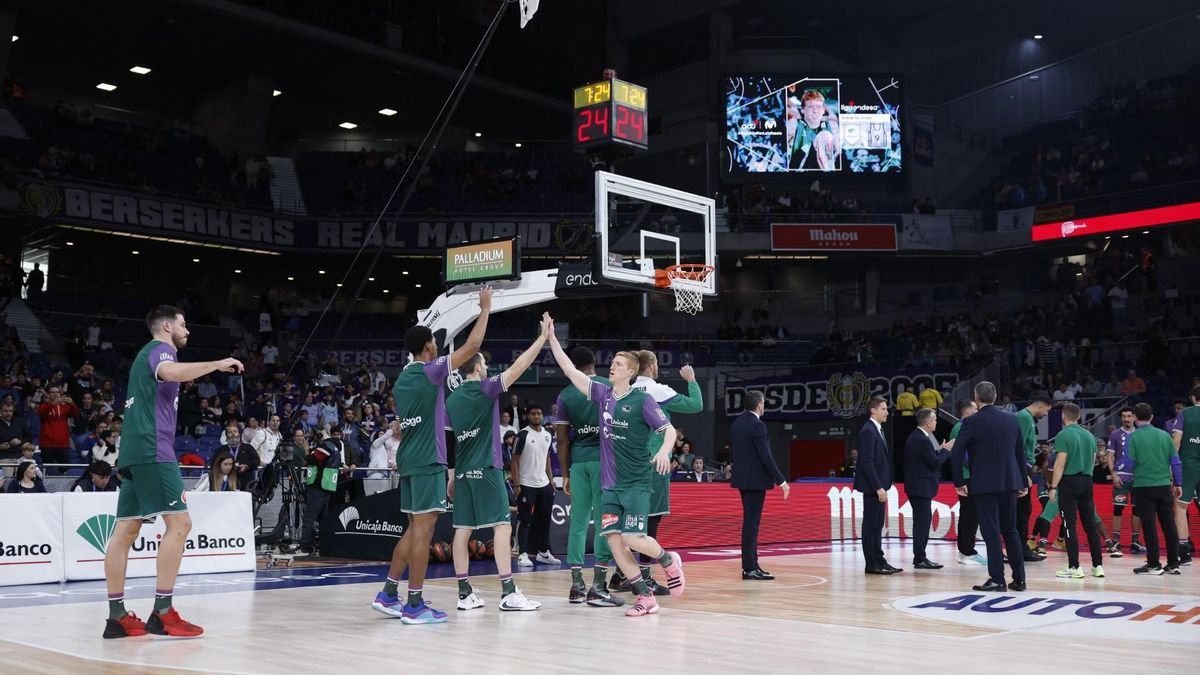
{"x":245,"y":457}
{"x":754,"y":472}
{"x":923,"y":459}
{"x":998,"y":477}
{"x":873,"y":478}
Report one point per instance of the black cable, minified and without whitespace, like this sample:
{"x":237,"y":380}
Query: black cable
{"x":436,"y":130}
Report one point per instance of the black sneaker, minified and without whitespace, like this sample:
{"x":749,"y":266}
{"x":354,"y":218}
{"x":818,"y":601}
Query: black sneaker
{"x":578,"y":595}
{"x":1171,"y":569}
{"x":1185,"y":558}
{"x":598,"y":597}
{"x":1155,"y":570}
{"x":1136,"y":548}
{"x":656,"y":588}
{"x":619,"y":584}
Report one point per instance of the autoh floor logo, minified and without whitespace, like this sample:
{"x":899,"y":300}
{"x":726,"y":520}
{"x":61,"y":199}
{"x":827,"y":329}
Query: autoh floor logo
{"x":1130,"y":616}
{"x":97,"y":530}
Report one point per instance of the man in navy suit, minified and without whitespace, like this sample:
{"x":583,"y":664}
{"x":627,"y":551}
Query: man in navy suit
{"x":999,"y":474}
{"x":923,"y":459}
{"x":754,"y":472}
{"x":873,"y":478}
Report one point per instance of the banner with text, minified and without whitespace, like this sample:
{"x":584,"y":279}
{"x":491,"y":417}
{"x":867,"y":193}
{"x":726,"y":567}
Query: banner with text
{"x":926,"y":232}
{"x":110,"y":209}
{"x":833,"y":237}
{"x":820,"y":396}
{"x":221,"y":540}
{"x":31,"y":539}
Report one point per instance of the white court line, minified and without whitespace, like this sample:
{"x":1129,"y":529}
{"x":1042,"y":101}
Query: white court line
{"x":124,"y":662}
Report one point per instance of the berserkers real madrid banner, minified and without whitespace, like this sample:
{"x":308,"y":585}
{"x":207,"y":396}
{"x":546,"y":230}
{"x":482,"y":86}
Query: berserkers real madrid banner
{"x":112,"y":209}
{"x":843,"y":394}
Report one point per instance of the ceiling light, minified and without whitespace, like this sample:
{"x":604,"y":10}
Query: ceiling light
{"x":339,"y":285}
{"x":70,"y":243}
{"x":387,"y":112}
{"x":195,"y":260}
{"x":370,"y":278}
{"x":15,"y":38}
{"x":386,"y":291}
{"x":291,"y":278}
{"x":1145,"y":231}
{"x":405,"y":273}
{"x":478,"y":134}
{"x":237,"y":271}
{"x":106,"y":86}
{"x":348,"y":125}
{"x":140,"y":70}
{"x":1124,"y":236}
{"x":516,"y":145}
{"x":134,"y":252}
{"x":320,"y":271}
{"x":418,"y":285}
{"x":276,"y":92}
{"x":1038,"y":36}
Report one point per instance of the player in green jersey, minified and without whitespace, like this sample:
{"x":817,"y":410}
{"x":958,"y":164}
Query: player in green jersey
{"x":420,"y":393}
{"x":1071,"y":488}
{"x":1185,"y":433}
{"x":478,"y":490}
{"x":1027,"y":419}
{"x":152,"y":485}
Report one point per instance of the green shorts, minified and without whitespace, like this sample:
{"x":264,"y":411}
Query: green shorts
{"x":660,"y":495}
{"x":624,"y":510}
{"x":480,"y":499}
{"x":1191,"y":482}
{"x":148,"y":490}
{"x":1123,"y":496}
{"x":423,"y":494}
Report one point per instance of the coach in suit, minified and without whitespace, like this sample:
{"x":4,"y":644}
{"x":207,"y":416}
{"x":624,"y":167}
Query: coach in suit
{"x":923,"y":459}
{"x":873,"y":478}
{"x":754,"y":472}
{"x":992,"y":438}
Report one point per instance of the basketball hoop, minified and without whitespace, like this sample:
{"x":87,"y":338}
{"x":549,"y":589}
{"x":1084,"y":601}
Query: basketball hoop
{"x":688,"y":283}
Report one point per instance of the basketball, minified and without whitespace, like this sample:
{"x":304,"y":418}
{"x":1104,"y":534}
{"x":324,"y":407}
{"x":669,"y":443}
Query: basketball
{"x":439,"y":551}
{"x":490,"y":548}
{"x":477,"y":549}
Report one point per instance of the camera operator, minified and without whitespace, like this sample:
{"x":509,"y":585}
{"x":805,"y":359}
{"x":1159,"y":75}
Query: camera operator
{"x":324,"y":467}
{"x":349,"y":487}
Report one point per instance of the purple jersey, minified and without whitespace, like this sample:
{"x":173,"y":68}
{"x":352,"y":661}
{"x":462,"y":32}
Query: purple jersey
{"x":1117,"y":441}
{"x":626,"y":425}
{"x":150,"y":409}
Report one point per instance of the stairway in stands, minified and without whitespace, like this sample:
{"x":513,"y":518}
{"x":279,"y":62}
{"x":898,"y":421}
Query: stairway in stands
{"x":285,"y":187}
{"x":27,"y":324}
{"x":10,"y":127}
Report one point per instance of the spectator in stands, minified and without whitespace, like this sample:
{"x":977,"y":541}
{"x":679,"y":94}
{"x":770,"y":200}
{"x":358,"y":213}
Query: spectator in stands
{"x":1092,"y":386}
{"x":221,"y":476}
{"x":329,"y":413}
{"x":97,"y":478}
{"x":383,"y":449}
{"x":230,"y":415}
{"x":245,"y":457}
{"x":34,"y":284}
{"x":26,"y":480}
{"x":206,"y":414}
{"x":83,"y":381}
{"x":698,"y":474}
{"x":1063,"y":393}
{"x":353,"y":433}
{"x":14,"y":431}
{"x":850,"y":465}
{"x":89,"y":414}
{"x":1133,"y":385}
{"x":105,"y":449}
{"x":1112,"y":388}
{"x":515,"y":416}
{"x":930,"y":397}
{"x":349,"y":486}
{"x":906,"y":402}
{"x":268,"y":441}
{"x":1006,"y":404}
{"x":205,"y":387}
{"x":55,"y":437}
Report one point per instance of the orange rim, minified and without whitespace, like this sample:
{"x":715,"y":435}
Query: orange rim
{"x":690,"y":272}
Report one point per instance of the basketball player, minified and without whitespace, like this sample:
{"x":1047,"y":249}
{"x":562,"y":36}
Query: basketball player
{"x":478,"y":490}
{"x":580,"y":460}
{"x":1050,"y":511}
{"x":1117,"y":463}
{"x":814,"y":141}
{"x":968,"y":521}
{"x":1027,"y":418}
{"x":670,"y":401}
{"x":1071,"y":488}
{"x":420,"y":394}
{"x":152,"y":485}
{"x":628,"y":417}
{"x":1185,"y":433}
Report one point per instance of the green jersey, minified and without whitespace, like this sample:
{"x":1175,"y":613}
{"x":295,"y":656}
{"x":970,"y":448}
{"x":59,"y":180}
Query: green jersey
{"x":670,"y":401}
{"x":474,"y":413}
{"x":1028,"y":434}
{"x":1154,"y":457}
{"x":953,"y":435}
{"x":420,"y":393}
{"x":581,"y":414}
{"x":1079,"y":445}
{"x":626,"y":425}
{"x":1187,"y":422}
{"x":151,"y":407}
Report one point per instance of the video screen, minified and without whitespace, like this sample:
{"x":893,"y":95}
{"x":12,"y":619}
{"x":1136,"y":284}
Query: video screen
{"x":792,"y":124}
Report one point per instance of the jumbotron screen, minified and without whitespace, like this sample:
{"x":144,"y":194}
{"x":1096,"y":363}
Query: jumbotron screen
{"x":803,"y":125}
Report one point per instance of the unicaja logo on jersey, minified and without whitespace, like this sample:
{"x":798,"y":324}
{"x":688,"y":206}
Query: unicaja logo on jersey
{"x":97,"y":530}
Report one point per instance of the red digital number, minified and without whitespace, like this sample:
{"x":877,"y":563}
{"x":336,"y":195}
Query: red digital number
{"x":600,"y":117}
{"x":582,"y":124}
{"x":638,"y":122}
{"x":631,"y":125}
{"x":591,"y":124}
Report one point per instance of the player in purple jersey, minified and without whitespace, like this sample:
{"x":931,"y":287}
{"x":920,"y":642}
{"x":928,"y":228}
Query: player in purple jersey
{"x":152,"y":484}
{"x":1116,"y":461}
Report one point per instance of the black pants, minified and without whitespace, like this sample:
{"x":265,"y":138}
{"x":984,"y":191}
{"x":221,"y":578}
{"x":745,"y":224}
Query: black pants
{"x":922,"y":519}
{"x":1024,"y":512}
{"x":1075,"y":497}
{"x":56,"y":456}
{"x":874,"y":511}
{"x":752,"y":508}
{"x":316,"y":501}
{"x":534,"y":507}
{"x":1157,"y":503}
{"x":998,"y":523}
{"x":968,"y":525}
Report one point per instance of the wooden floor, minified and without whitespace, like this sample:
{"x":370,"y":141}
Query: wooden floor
{"x":822,"y":615}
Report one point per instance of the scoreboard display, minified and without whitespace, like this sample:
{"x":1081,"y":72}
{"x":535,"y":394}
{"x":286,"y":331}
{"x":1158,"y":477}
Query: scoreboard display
{"x":610,"y":111}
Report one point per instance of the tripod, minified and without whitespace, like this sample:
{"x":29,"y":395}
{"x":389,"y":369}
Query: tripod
{"x":278,"y":543}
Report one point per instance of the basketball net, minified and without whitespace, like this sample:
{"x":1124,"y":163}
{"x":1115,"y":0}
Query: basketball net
{"x":688,"y":283}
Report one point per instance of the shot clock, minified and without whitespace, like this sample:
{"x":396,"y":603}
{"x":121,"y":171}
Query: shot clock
{"x":610,"y":111}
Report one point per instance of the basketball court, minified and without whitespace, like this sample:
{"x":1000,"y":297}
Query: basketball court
{"x":821,"y":613}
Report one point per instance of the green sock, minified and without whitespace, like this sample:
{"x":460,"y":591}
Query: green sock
{"x":162,"y":601}
{"x":639,"y":587}
{"x":599,"y":576}
{"x":414,"y":597}
{"x":391,"y":586}
{"x":116,"y":608}
{"x":665,"y":559}
{"x":507,"y":586}
{"x":464,"y":588}
{"x":576,"y":576}
{"x":645,"y":572}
